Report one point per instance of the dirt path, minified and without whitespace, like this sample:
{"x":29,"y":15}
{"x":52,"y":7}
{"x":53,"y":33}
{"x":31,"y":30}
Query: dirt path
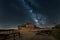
{"x":30,"y":36}
{"x":43,"y":37}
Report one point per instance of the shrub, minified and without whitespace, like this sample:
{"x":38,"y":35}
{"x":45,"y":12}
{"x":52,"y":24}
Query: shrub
{"x":56,"y":32}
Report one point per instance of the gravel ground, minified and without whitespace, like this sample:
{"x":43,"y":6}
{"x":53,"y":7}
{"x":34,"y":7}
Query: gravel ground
{"x":43,"y":37}
{"x":33,"y":36}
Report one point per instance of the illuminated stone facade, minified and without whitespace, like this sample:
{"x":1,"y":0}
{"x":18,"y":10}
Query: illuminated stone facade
{"x":27,"y":26}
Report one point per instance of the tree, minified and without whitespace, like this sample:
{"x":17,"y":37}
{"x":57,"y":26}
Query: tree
{"x":56,"y":31}
{"x":56,"y":27}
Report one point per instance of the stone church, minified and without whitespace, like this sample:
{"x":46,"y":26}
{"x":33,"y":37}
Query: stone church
{"x":27,"y":26}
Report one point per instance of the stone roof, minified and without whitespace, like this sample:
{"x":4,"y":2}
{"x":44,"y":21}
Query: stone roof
{"x":27,"y":23}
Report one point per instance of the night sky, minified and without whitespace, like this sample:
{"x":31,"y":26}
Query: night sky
{"x":40,"y":12}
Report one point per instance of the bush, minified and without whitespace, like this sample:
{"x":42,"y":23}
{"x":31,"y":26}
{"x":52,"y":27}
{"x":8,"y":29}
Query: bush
{"x":56,"y":31}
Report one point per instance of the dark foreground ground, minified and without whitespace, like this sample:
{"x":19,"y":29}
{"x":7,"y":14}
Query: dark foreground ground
{"x":33,"y":36}
{"x":43,"y":37}
{"x":14,"y":35}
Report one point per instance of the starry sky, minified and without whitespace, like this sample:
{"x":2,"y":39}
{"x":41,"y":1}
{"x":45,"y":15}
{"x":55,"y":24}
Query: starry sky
{"x":40,"y":12}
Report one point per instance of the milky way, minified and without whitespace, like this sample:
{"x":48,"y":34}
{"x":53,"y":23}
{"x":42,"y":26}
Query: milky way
{"x":39,"y":12}
{"x":39,"y":19}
